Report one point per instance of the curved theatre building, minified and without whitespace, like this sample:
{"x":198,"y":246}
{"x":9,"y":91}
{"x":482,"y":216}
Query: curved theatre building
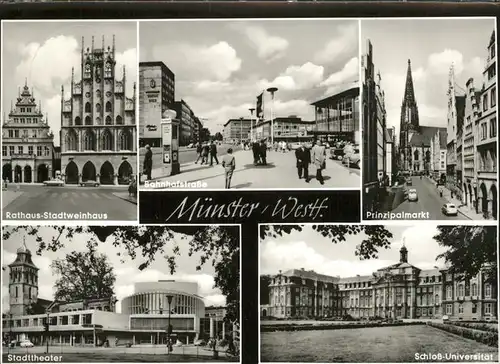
{"x":93,"y":321}
{"x":149,"y":309}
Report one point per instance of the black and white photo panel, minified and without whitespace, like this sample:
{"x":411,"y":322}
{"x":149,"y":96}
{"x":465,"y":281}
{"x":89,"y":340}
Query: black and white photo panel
{"x":384,"y":294}
{"x":69,"y":148}
{"x":249,"y":104}
{"x":430,"y":119}
{"x":121,"y":293}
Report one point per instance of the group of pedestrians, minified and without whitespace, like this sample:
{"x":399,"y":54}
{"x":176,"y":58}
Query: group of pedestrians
{"x":259,"y":150}
{"x":316,"y":156}
{"x":206,"y":150}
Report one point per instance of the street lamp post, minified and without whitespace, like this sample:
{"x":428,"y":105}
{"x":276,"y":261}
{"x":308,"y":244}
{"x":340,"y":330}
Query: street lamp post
{"x":272,"y":90}
{"x":251,"y":122}
{"x":47,"y":331}
{"x":169,"y":329}
{"x":241,"y":129}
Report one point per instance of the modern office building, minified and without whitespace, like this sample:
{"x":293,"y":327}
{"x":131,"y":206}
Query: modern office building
{"x":98,"y":122}
{"x":144,"y":319}
{"x":27,"y":142}
{"x":237,"y":130}
{"x":187,"y":120}
{"x":289,"y":129}
{"x":398,"y":291}
{"x":337,"y":117}
{"x":156,"y":94}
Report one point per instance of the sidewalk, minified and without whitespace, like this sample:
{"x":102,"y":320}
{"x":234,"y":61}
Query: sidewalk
{"x":125,"y":196}
{"x":280,"y":172}
{"x":465,"y":210}
{"x":9,"y":196}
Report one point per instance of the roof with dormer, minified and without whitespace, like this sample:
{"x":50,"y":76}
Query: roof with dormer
{"x":310,"y":274}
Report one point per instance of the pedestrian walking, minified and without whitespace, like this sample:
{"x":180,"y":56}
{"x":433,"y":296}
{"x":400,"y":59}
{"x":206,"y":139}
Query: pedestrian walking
{"x":303,"y":156}
{"x":199,"y":150}
{"x":255,"y":151}
{"x":229,"y":164}
{"x":213,"y":153}
{"x":263,"y":152}
{"x":318,"y":158}
{"x":204,"y":154}
{"x":148,"y":162}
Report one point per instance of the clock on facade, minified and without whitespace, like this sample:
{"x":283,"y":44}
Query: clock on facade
{"x":152,"y":84}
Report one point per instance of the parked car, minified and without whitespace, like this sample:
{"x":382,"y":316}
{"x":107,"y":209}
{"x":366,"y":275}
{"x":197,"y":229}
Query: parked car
{"x":293,"y":146}
{"x":89,"y":183}
{"x":337,"y":153}
{"x":353,"y":159}
{"x":54,"y":182}
{"x":26,"y":344}
{"x":409,"y":181}
{"x":200,"y":343}
{"x":449,"y":209}
{"x":412,"y":195}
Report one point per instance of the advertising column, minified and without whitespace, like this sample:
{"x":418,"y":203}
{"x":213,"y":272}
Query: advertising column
{"x":170,"y":143}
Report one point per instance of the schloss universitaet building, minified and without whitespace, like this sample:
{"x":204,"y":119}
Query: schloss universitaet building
{"x":399,"y":291}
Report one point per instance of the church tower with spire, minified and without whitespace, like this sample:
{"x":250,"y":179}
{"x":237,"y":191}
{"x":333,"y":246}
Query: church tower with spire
{"x":409,"y":120}
{"x":23,"y":282}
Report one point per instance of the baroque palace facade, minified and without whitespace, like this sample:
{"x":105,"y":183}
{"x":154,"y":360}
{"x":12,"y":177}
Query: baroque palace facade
{"x":27,"y":142}
{"x":98,"y":122}
{"x":399,"y":291}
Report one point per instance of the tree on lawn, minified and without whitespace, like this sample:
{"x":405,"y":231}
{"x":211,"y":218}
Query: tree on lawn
{"x":265,"y":281}
{"x":83,"y":275}
{"x":470,"y":249}
{"x":216,"y":245}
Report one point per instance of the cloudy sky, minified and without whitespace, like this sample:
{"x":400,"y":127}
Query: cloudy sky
{"x":44,"y":52}
{"x":432,"y":45}
{"x":126,"y":273}
{"x":309,"y":250}
{"x":221,"y":66}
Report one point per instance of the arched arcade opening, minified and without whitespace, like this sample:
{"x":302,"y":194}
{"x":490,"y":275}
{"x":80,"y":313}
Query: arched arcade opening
{"x":89,"y":172}
{"x":107,"y":173}
{"x":71,"y":173}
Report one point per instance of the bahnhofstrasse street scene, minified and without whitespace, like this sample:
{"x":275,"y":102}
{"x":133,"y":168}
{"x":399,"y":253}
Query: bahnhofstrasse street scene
{"x":430,"y":119}
{"x":252,"y":104}
{"x":69,"y":136}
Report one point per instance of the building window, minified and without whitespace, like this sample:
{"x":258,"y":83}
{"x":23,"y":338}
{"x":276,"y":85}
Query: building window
{"x":71,"y":140}
{"x":89,"y":140}
{"x":108,"y":120}
{"x":11,"y":150}
{"x":108,"y":106}
{"x":87,"y":107}
{"x":38,"y":150}
{"x":493,"y":128}
{"x":487,"y":290}
{"x":493,"y":97}
{"x":474,"y":289}
{"x":448,"y":309}
{"x":47,"y":151}
{"x":107,"y":140}
{"x":20,"y":149}
{"x":98,"y":108}
{"x":460,"y":290}
{"x":449,"y":292}
{"x":484,"y":131}
{"x":126,"y":140}
{"x":487,"y":308}
{"x":119,"y":120}
{"x":4,"y":151}
{"x":17,"y":292}
{"x":474,"y":307}
{"x":461,"y":308}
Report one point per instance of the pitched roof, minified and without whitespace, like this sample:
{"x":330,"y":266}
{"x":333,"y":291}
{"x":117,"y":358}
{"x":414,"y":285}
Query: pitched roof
{"x":424,"y":135}
{"x":310,"y":274}
{"x":355,"y":279}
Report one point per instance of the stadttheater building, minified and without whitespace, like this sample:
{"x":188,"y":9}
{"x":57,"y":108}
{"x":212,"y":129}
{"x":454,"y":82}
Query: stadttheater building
{"x":144,"y":318}
{"x":399,"y":291}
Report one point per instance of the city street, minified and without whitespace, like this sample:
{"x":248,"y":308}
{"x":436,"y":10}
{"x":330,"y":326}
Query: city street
{"x":186,"y":155}
{"x":429,"y":200}
{"x":280,"y":173}
{"x":104,"y":202}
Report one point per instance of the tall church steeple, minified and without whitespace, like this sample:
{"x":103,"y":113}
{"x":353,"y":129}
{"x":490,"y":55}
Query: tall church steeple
{"x":23,"y":282}
{"x":403,"y":253}
{"x":409,"y":119}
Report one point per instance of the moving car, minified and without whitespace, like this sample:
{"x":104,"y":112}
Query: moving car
{"x":89,"y":183}
{"x":26,"y":344}
{"x":412,"y":195}
{"x":449,"y":209}
{"x":54,"y":182}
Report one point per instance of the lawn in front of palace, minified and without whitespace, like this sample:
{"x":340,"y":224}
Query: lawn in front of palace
{"x":397,"y":344}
